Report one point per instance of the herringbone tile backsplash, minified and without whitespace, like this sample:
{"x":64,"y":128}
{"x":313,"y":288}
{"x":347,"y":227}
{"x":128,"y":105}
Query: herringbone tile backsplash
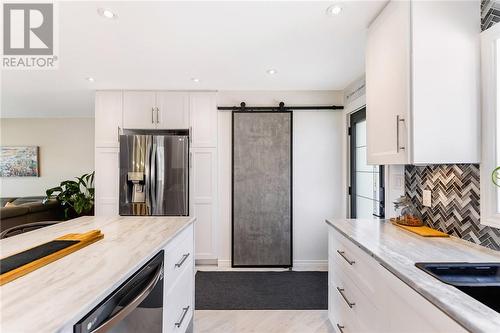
{"x":490,"y":13}
{"x":455,"y":201}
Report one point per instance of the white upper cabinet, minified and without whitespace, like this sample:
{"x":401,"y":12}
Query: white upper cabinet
{"x":173,"y":110}
{"x":108,"y":118}
{"x":203,"y":118}
{"x":139,"y":110}
{"x":388,"y":85}
{"x":422,"y":83}
{"x":155,"y":110}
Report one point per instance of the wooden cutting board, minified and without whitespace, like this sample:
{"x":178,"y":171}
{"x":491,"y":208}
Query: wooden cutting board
{"x":22,"y":263}
{"x":423,"y":231}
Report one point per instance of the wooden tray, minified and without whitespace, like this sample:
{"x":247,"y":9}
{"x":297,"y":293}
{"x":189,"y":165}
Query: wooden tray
{"x":423,"y":231}
{"x":22,"y":263}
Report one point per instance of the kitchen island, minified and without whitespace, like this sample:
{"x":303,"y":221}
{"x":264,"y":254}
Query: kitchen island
{"x":372,"y":267}
{"x":56,"y":296}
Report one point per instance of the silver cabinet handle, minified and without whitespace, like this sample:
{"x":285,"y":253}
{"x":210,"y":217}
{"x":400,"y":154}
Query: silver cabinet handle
{"x":341,"y":328}
{"x":190,"y":134}
{"x":183,"y":259}
{"x":184,"y":313}
{"x":398,"y":121}
{"x":152,"y":115}
{"x":157,"y":115}
{"x":118,"y":133}
{"x":341,"y":292}
{"x":117,"y":317}
{"x":342,"y":254}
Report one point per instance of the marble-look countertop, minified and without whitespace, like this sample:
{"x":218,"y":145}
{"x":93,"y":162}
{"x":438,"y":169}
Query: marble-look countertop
{"x":398,"y":250}
{"x":54,"y":297}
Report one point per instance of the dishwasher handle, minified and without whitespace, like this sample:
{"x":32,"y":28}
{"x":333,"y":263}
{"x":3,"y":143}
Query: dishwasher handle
{"x":117,"y":317}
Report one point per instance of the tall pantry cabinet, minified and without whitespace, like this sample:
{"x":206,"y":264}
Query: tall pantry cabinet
{"x":160,"y":110}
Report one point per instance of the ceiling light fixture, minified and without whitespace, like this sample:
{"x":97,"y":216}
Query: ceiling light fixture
{"x":90,"y":79}
{"x":194,"y":79}
{"x":107,"y":13}
{"x":333,"y":10}
{"x":271,"y":71}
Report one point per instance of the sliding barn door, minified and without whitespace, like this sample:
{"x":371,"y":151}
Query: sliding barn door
{"x":262,"y":189}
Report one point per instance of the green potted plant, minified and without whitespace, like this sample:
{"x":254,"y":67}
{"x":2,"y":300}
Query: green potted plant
{"x":76,"y":197}
{"x":495,"y":176}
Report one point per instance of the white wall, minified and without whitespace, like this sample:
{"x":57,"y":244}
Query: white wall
{"x":66,"y":151}
{"x":317,"y":182}
{"x":317,"y":171}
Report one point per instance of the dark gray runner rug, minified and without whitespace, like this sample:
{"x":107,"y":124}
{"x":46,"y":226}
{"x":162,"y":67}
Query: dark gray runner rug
{"x":261,"y":290}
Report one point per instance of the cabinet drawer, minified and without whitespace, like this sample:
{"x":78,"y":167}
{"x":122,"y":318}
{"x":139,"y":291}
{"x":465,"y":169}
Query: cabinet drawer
{"x":179,"y":305}
{"x":353,"y":262}
{"x":364,"y":314}
{"x":179,"y":255}
{"x":342,"y":320}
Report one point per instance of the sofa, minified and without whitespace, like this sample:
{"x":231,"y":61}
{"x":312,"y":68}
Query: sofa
{"x":27,"y":210}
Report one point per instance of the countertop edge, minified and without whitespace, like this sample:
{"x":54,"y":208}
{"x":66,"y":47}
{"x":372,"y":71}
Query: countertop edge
{"x":409,"y":282}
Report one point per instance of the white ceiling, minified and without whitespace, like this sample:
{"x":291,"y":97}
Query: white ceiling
{"x":162,"y":45}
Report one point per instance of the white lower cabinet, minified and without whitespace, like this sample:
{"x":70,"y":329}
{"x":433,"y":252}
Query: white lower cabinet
{"x":204,"y":200}
{"x":363,"y":296}
{"x":107,"y":181}
{"x":178,"y":307}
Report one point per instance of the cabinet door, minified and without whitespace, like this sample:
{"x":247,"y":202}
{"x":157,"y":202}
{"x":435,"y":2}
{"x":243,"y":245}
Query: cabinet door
{"x":139,"y":109}
{"x":407,"y":311}
{"x":388,"y":85}
{"x":203,"y":118}
{"x":106,"y":182}
{"x":108,"y":118}
{"x":446,"y":106}
{"x":203,"y":199}
{"x":173,"y":110}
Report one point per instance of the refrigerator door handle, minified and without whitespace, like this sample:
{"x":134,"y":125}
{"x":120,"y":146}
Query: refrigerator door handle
{"x":148,"y":175}
{"x":153,"y":178}
{"x":186,"y":178}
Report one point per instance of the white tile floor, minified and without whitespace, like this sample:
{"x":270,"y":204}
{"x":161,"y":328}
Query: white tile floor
{"x":262,"y":321}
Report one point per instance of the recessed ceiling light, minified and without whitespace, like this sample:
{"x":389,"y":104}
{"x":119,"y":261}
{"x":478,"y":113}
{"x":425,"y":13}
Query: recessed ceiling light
{"x":271,"y":71}
{"x":90,"y":79}
{"x":104,"y":12}
{"x":333,"y":10}
{"x":195,"y":79}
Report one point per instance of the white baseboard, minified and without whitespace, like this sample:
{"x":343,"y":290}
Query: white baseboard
{"x":298,"y":265}
{"x":310,"y":265}
{"x":224,"y":263}
{"x":205,"y":262}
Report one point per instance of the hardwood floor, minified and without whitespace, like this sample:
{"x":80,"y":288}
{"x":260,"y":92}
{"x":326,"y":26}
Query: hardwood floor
{"x":262,"y":321}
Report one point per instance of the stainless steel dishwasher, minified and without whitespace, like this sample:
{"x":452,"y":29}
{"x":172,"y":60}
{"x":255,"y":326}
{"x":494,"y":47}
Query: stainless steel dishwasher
{"x":135,"y":306}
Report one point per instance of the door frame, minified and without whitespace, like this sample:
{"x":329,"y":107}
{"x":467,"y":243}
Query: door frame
{"x":353,"y":118}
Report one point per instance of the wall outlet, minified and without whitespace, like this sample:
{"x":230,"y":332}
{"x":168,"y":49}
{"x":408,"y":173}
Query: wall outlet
{"x":427,"y":198}
{"x":398,"y":183}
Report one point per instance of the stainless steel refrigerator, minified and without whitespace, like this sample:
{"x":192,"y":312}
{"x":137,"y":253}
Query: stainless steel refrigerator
{"x":154,"y":173}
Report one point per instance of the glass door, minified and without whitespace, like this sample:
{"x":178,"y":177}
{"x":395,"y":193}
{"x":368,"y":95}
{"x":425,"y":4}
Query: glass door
{"x":366,"y":189}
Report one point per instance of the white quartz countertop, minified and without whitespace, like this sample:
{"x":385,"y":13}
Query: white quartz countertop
{"x":54,"y":297}
{"x":398,"y":250}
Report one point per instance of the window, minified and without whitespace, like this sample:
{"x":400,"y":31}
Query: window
{"x":490,"y":73}
{"x":367,"y":181}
